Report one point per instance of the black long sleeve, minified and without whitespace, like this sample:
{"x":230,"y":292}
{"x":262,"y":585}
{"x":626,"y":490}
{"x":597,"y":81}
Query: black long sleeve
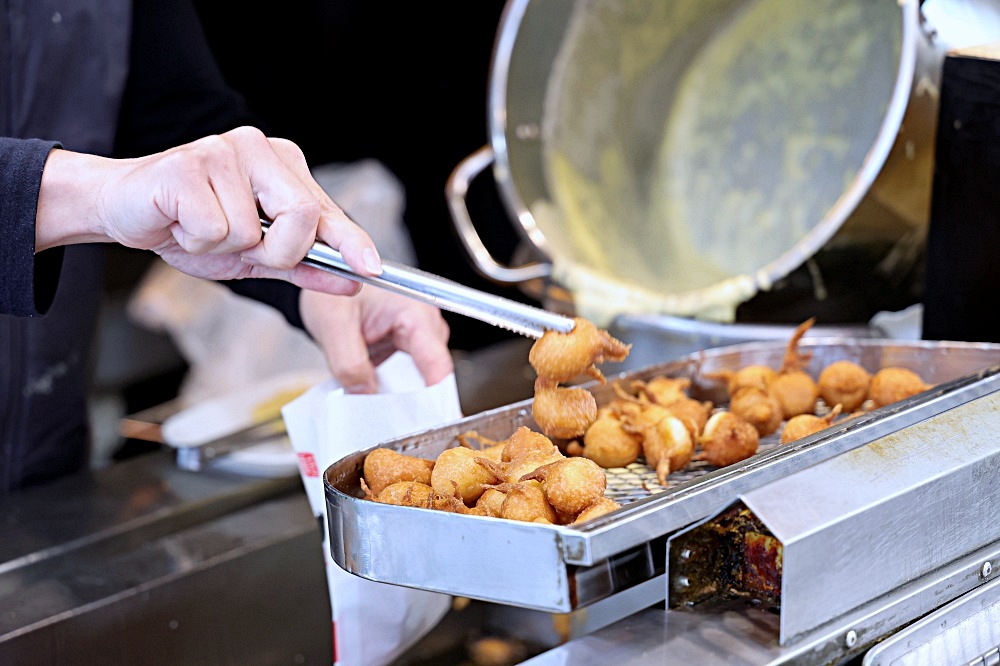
{"x":27,"y":282}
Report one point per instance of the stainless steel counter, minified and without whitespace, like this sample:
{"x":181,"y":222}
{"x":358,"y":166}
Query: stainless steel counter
{"x":144,"y":563}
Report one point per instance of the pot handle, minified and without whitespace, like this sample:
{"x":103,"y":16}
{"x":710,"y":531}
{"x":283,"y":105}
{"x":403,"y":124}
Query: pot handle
{"x":455,"y":189}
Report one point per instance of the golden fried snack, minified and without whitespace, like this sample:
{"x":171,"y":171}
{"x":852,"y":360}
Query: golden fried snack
{"x":663,"y":390}
{"x":758,"y":407}
{"x":796,"y":393}
{"x":608,"y":444}
{"x":893,"y":384}
{"x":489,"y":448}
{"x":666,"y":442}
{"x":694,"y":414}
{"x":525,"y":440}
{"x":563,"y":412}
{"x":795,"y":390}
{"x":383,"y":467}
{"x":489,"y":503}
{"x":602,"y":506}
{"x":844,"y":383}
{"x":526,"y":501}
{"x":458,"y":472}
{"x":416,"y":494}
{"x":562,"y":357}
{"x":757,"y":376}
{"x":511,"y":472}
{"x":672,"y":442}
{"x":571,"y":484}
{"x":727,"y":439}
{"x":804,"y":425}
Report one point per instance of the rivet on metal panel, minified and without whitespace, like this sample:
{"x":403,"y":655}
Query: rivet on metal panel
{"x":986,"y":569}
{"x":851,"y":639}
{"x":681,"y":581}
{"x":686,"y":554}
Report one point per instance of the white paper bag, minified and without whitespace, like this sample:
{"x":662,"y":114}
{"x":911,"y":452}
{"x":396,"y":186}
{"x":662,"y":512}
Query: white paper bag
{"x":373,"y":623}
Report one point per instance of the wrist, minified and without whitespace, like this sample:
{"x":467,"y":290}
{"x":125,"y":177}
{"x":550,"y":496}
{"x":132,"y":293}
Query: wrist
{"x":67,"y":200}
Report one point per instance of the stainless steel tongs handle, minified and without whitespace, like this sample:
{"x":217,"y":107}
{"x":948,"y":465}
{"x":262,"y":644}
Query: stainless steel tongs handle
{"x":443,"y":293}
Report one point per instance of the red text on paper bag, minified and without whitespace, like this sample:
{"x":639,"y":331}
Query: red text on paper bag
{"x":307,"y":463}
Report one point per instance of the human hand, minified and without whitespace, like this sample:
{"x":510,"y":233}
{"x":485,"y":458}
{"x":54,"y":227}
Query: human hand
{"x":358,"y":333}
{"x":196,"y":206}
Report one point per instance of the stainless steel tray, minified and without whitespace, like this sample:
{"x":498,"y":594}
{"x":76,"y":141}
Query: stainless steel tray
{"x":565,"y":568}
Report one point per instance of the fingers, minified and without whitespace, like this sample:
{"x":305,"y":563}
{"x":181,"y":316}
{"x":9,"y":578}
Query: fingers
{"x":335,"y":323}
{"x":359,"y":333}
{"x":334,"y":226}
{"x":203,"y":195}
{"x":203,"y":199}
{"x":429,"y":351}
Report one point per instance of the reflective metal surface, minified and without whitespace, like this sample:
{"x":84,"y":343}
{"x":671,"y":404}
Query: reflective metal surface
{"x":147,"y":564}
{"x":738,"y":634}
{"x":965,"y":632}
{"x":853,"y":528}
{"x":442,"y":293}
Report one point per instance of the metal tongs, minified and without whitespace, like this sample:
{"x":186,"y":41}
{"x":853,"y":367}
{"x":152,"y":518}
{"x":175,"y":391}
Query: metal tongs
{"x":443,"y":293}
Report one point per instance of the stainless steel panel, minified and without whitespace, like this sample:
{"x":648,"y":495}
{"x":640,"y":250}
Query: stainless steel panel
{"x":965,"y":630}
{"x":741,"y":634}
{"x":143,"y":563}
{"x":870,"y":520}
{"x":434,"y":551}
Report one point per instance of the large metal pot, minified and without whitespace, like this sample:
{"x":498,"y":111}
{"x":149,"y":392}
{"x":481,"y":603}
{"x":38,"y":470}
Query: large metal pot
{"x":678,"y":157}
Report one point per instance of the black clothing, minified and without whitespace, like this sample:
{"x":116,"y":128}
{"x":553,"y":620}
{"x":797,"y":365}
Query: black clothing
{"x":23,"y":290}
{"x":108,"y":77}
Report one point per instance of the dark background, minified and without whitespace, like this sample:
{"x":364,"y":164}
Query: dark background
{"x":402,"y":82}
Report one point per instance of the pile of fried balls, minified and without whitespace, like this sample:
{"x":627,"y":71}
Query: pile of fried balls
{"x":557,"y":476}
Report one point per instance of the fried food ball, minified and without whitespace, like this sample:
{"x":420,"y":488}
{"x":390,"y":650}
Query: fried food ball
{"x":758,"y":407}
{"x":694,"y":414}
{"x":458,"y":472}
{"x":667,"y":444}
{"x":893,"y":384}
{"x":672,"y":442}
{"x":511,"y":472}
{"x":727,"y":439}
{"x":664,"y":390}
{"x":608,"y":444}
{"x":489,"y":503}
{"x":796,"y":393}
{"x":600,"y":507}
{"x":383,"y":467}
{"x":563,"y":412}
{"x":795,"y":389}
{"x":804,"y":425}
{"x":526,"y":501}
{"x":489,"y":448}
{"x":844,"y":383}
{"x":562,"y":357}
{"x":415,"y":494}
{"x":525,"y":440}
{"x":571,"y":484}
{"x":757,"y":376}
